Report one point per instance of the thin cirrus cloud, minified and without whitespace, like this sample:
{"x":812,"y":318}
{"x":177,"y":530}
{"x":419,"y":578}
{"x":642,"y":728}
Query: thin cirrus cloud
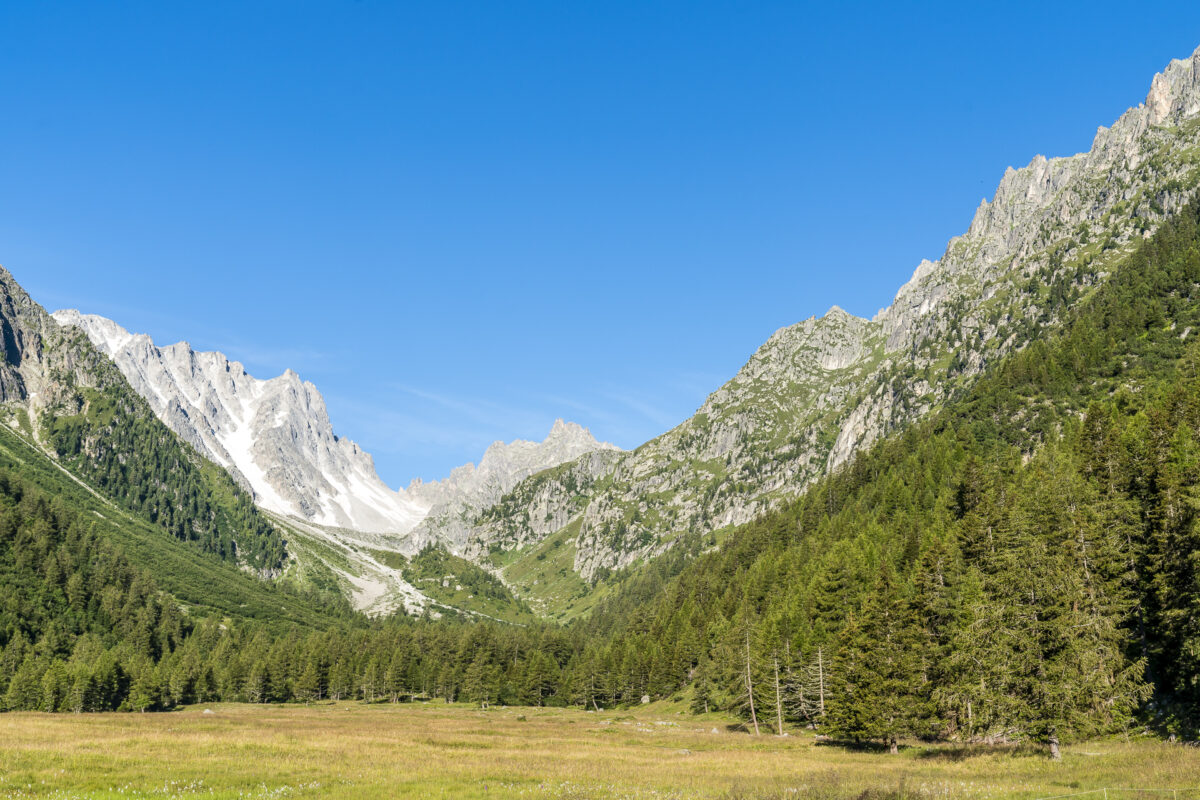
{"x":262,"y":360}
{"x":412,"y":430}
{"x":268,"y":361}
{"x":419,"y":432}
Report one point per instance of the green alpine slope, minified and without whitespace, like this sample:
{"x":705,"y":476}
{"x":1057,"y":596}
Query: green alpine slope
{"x":72,"y":402}
{"x":202,"y":585}
{"x":819,"y":391}
{"x":1023,"y":564}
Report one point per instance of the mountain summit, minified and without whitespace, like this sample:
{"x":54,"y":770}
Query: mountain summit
{"x":275,"y":437}
{"x":821,"y":390}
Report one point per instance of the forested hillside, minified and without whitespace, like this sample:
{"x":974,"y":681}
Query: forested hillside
{"x":64,"y":396}
{"x":116,"y":444}
{"x":85,"y":629}
{"x":1022,"y":565}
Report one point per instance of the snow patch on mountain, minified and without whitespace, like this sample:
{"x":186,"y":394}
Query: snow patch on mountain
{"x":275,"y":437}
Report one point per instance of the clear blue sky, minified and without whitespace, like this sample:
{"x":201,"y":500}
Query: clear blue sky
{"x":462,"y":220}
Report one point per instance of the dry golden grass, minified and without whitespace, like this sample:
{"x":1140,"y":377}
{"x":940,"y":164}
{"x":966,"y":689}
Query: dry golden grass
{"x":438,"y":751}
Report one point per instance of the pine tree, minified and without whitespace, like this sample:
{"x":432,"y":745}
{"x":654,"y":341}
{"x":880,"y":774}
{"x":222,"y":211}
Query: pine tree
{"x":880,"y":691}
{"x":25,"y":689}
{"x":341,"y":679}
{"x":308,"y":686}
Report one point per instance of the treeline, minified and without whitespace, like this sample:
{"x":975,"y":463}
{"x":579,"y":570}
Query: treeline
{"x":81,"y":629}
{"x":1024,"y":565}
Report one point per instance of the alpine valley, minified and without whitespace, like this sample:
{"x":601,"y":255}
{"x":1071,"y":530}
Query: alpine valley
{"x":974,"y":517}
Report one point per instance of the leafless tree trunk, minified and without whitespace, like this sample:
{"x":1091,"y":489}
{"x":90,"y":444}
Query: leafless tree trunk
{"x":750,"y":686}
{"x":821,"y":679}
{"x":778,"y":700}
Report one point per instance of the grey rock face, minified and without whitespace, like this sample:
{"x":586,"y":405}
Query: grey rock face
{"x":41,"y":362}
{"x":456,"y":501}
{"x":275,"y":437}
{"x":817,"y":392}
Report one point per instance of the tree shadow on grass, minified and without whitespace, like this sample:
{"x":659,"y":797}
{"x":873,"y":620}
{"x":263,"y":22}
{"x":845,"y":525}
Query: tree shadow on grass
{"x":934,"y":752}
{"x":965,"y":752}
{"x":853,"y":745}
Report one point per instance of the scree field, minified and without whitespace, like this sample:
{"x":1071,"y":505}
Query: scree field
{"x":435,"y":751}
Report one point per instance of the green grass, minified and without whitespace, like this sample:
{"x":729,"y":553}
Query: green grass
{"x":456,"y":582}
{"x":389,"y":558}
{"x":204,"y":584}
{"x":546,"y":577}
{"x":434,"y":750}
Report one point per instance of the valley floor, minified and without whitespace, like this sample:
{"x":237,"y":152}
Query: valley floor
{"x":438,"y":751}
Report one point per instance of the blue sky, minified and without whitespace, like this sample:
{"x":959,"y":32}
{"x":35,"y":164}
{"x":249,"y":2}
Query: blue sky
{"x":463,"y":220}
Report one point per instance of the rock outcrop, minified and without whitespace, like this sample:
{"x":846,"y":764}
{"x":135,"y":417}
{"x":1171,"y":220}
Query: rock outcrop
{"x":456,"y":501}
{"x":274,"y":435}
{"x":817,"y":392}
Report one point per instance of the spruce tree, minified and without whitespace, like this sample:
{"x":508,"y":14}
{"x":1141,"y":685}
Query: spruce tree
{"x":879,"y":696}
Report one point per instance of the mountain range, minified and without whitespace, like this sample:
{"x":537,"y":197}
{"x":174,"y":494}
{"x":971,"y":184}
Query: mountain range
{"x":810,"y":398}
{"x":977,"y":511}
{"x":275,"y":437}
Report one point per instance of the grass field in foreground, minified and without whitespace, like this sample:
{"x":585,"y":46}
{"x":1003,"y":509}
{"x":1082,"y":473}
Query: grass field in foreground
{"x":351,"y":750}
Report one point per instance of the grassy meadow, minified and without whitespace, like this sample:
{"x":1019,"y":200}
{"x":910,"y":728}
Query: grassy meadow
{"x":351,"y":750}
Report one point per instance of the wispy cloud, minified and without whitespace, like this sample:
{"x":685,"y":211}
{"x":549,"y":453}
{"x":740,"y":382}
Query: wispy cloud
{"x":486,"y":412}
{"x":271,"y":360}
{"x":262,"y":360}
{"x":645,"y":408}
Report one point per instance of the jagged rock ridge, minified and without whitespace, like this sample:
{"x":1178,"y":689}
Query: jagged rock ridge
{"x":456,"y":500}
{"x":818,"y":391}
{"x":65,"y":398}
{"x":41,"y":361}
{"x":275,"y":437}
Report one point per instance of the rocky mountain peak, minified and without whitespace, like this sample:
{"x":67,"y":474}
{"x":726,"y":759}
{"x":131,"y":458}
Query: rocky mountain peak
{"x":274,"y":436}
{"x":818,"y":391}
{"x":1175,"y":92}
{"x":1046,"y":196}
{"x":505,"y":463}
{"x":457,"y":500}
{"x":31,"y":353}
{"x":574,"y":435}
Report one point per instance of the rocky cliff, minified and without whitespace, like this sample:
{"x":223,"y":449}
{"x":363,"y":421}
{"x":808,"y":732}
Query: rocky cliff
{"x":42,"y":364}
{"x":818,"y":391}
{"x":274,"y":435}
